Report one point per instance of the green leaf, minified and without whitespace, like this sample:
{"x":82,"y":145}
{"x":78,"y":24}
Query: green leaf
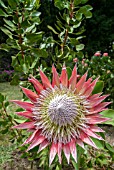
{"x":34,"y":63}
{"x":6,"y":104}
{"x":10,"y":11}
{"x":78,"y":16}
{"x":31,"y":4}
{"x":1,"y":98}
{"x":75,"y":165}
{"x":13,"y":3}
{"x":7,"y":32}
{"x":14,"y":61}
{"x":62,"y":4}
{"x":98,"y":143}
{"x":88,"y":14}
{"x":15,"y":80}
{"x":80,"y":37}
{"x":86,"y":11}
{"x":74,"y":41}
{"x":88,"y":7}
{"x":69,"y":71}
{"x":80,"y":54}
{"x":52,"y":29}
{"x":35,"y":14}
{"x":84,"y":1}
{"x":4,"y":131}
{"x":79,"y":47}
{"x":30,"y":28}
{"x":5,"y":47}
{"x":25,"y":68}
{"x":9,"y":28}
{"x":99,"y":87}
{"x":110,"y":114}
{"x":13,"y":43}
{"x":1,"y":120}
{"x":77,"y":2}
{"x":59,"y":4}
{"x":77,"y":25}
{"x":0,"y":105}
{"x":20,"y":109}
{"x":35,"y":20}
{"x":58,"y":28}
{"x":2,"y":13}
{"x":8,"y":22}
{"x":57,"y":168}
{"x":20,"y":120}
{"x":109,"y":147}
{"x":39,"y":53}
{"x":2,"y":4}
{"x":33,"y":37}
{"x":59,"y":23}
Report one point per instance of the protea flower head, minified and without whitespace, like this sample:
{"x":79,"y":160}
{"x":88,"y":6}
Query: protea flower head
{"x":62,"y":113}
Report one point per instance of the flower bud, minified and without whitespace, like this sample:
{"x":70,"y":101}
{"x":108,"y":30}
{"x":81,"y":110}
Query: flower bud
{"x":86,"y":65}
{"x":97,"y":54}
{"x":108,"y":71}
{"x":75,"y":60}
{"x":105,"y":54}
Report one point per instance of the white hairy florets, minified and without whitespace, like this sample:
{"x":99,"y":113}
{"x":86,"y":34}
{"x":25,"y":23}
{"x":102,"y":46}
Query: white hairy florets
{"x":62,"y":109}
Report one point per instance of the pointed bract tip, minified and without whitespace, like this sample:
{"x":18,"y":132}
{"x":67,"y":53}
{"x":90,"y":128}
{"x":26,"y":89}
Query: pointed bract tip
{"x":14,"y":127}
{"x":64,"y":66}
{"x":13,"y":101}
{"x":53,"y":65}
{"x":30,"y":76}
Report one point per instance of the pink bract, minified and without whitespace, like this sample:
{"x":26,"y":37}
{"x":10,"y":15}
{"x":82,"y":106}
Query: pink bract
{"x":62,"y":114}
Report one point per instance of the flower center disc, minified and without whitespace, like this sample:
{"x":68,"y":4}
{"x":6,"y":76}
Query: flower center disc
{"x":62,"y":110}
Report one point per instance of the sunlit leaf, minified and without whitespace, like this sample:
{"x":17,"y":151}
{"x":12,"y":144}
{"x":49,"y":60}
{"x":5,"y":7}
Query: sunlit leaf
{"x":20,"y":120}
{"x":98,"y":143}
{"x":78,"y":16}
{"x":8,"y":22}
{"x":52,"y":29}
{"x":2,"y":13}
{"x":99,"y":87}
{"x":79,"y":47}
{"x":110,"y":114}
{"x":2,"y":4}
{"x":35,"y":14}
{"x":7,"y":32}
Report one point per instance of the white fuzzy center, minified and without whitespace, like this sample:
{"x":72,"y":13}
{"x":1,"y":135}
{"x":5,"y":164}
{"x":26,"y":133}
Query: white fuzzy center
{"x":62,"y":110}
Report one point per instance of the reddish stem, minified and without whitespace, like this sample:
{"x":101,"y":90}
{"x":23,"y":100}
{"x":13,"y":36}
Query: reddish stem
{"x":20,"y":36}
{"x":66,"y":32}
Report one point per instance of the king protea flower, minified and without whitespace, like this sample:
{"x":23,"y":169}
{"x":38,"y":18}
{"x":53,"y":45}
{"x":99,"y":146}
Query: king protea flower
{"x":62,"y":113}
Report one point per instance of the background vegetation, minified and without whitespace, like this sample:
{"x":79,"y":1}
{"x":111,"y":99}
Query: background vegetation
{"x":38,"y":33}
